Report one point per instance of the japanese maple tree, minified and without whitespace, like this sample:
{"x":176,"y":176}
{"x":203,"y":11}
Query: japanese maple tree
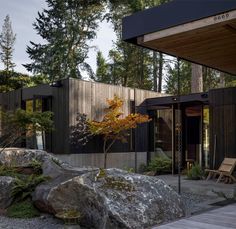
{"x":114,"y":126}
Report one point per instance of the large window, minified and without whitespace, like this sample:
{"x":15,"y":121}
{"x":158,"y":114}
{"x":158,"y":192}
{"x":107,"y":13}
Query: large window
{"x":163,"y":133}
{"x":38,"y":141}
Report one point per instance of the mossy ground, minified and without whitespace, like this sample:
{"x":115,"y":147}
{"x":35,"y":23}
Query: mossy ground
{"x":23,"y":209}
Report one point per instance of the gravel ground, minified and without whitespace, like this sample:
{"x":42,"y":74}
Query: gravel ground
{"x":45,"y":222}
{"x":193,"y":203}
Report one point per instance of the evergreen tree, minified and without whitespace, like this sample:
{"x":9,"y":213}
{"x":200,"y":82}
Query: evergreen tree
{"x":211,"y":79}
{"x":102,"y":69}
{"x":230,"y":80}
{"x":7,"y":40}
{"x":171,"y":79}
{"x":133,"y":66}
{"x":66,"y":26}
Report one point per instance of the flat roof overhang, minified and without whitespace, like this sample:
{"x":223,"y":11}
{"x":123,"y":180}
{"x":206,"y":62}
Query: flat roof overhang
{"x":167,"y":101}
{"x":201,"y":31}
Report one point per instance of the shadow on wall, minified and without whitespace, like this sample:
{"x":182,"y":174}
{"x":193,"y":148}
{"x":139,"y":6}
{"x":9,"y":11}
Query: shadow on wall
{"x":81,"y":141}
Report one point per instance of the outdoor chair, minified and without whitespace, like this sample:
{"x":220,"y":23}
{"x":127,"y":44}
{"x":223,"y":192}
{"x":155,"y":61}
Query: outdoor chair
{"x":225,"y":170}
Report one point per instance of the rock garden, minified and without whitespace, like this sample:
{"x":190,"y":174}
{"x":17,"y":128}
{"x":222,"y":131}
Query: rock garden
{"x":33,"y":182}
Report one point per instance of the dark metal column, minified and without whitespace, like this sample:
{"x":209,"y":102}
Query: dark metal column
{"x":179,"y":130}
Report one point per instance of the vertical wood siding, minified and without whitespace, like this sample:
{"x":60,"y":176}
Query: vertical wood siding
{"x":10,"y":101}
{"x":78,"y":96}
{"x":223,"y":123}
{"x":60,"y":108}
{"x":90,"y":98}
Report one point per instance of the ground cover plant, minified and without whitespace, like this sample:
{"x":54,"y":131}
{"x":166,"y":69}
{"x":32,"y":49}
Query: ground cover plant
{"x":24,"y":186}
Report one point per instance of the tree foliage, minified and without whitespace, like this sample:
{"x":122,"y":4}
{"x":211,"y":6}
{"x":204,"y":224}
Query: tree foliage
{"x":130,"y":65}
{"x":102,"y":72}
{"x":66,"y":26}
{"x":18,"y":80}
{"x":7,"y":40}
{"x":80,"y":133}
{"x":114,"y":127}
{"x":211,"y":78}
{"x":15,"y":125}
{"x":171,"y":79}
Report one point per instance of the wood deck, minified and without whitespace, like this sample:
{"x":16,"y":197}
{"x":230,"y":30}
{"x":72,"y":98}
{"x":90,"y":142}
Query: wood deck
{"x":220,"y":218}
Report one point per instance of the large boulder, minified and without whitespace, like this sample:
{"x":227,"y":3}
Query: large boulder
{"x":57,"y":170}
{"x":117,"y":199}
{"x":6,"y":185}
{"x":20,"y":157}
{"x":51,"y":165}
{"x":110,"y":199}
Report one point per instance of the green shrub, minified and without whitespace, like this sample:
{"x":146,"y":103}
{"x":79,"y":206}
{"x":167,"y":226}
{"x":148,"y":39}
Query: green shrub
{"x":195,"y":173}
{"x":23,"y":209}
{"x":159,"y":165}
{"x":8,"y":171}
{"x":24,"y":187}
{"x":36,"y":165}
{"x":129,"y":170}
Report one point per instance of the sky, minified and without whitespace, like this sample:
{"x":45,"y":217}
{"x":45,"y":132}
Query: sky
{"x":24,"y":12}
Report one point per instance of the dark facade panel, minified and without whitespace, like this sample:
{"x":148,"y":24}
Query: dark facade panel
{"x":60,"y":109}
{"x":90,"y":98}
{"x":169,"y":100}
{"x":222,"y":124}
{"x":171,"y":14}
{"x":11,"y":100}
{"x":40,"y":90}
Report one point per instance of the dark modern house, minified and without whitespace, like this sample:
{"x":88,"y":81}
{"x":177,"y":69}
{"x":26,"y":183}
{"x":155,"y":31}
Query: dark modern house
{"x":199,"y":31}
{"x":202,"y":32}
{"x":67,"y":98}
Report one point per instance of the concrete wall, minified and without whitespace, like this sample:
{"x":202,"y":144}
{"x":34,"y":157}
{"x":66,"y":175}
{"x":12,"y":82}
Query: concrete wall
{"x":117,"y":160}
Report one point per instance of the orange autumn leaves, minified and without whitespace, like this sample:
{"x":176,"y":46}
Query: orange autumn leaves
{"x":114,"y":126}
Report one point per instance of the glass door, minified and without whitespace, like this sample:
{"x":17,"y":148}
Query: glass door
{"x":163,"y":123}
{"x":205,"y":138}
{"x":193,"y":129}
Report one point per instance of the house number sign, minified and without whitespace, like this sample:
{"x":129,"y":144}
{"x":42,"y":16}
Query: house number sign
{"x":222,"y":17}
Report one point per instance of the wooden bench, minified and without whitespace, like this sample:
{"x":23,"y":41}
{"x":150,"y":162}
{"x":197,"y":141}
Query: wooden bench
{"x":225,"y":171}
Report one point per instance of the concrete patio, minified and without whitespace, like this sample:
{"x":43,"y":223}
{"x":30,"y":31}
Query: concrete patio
{"x":201,"y":187}
{"x":211,"y":214}
{"x":220,"y":218}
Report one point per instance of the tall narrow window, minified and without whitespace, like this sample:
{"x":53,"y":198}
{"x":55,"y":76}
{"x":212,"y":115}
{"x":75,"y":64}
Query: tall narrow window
{"x":205,"y":136}
{"x":163,"y":134}
{"x":37,"y":141}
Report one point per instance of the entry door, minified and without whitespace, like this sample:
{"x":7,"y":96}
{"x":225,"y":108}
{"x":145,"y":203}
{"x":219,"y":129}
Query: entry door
{"x":193,"y":126}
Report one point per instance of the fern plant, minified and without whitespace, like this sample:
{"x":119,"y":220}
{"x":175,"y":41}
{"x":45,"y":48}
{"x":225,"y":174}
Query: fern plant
{"x":23,"y":188}
{"x":36,"y":165}
{"x":159,"y":165}
{"x":195,"y":173}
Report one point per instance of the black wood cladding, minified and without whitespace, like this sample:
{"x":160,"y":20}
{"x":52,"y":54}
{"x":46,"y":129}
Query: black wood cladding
{"x":222,"y":124}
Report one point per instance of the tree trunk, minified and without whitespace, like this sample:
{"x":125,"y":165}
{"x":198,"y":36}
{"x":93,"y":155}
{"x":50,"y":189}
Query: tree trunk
{"x":197,"y":79}
{"x":154,"y":70}
{"x":105,"y":159}
{"x":222,"y":79}
{"x":160,"y":72}
{"x":105,"y":154}
{"x":106,"y":149}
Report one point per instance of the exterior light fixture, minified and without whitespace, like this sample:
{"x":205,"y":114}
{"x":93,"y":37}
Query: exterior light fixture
{"x":57,"y":83}
{"x":204,"y":95}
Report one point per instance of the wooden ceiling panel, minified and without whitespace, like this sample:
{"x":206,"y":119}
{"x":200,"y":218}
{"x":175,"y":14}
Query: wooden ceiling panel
{"x":210,"y":44}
